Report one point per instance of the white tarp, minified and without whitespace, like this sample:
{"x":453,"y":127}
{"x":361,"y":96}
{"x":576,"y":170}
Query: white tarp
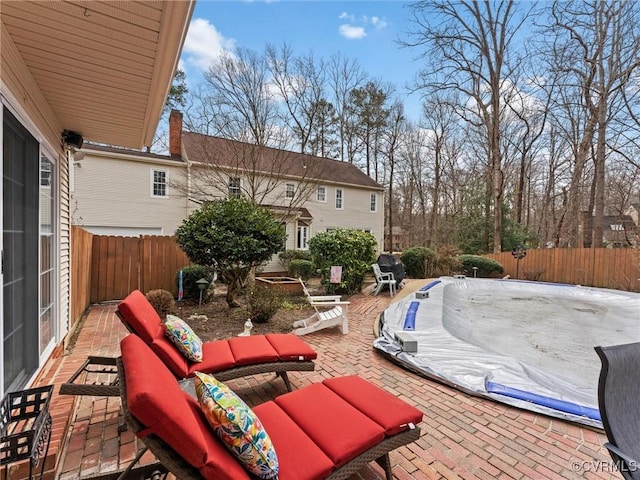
{"x":534,"y":341}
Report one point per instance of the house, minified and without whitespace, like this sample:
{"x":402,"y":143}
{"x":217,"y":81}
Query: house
{"x":151,"y":194}
{"x":618,"y":231}
{"x":398,"y":239}
{"x":70,"y":72}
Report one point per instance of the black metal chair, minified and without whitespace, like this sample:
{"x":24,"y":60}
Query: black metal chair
{"x":619,"y":403}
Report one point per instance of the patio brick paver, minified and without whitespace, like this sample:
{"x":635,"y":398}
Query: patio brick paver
{"x":463,"y":437}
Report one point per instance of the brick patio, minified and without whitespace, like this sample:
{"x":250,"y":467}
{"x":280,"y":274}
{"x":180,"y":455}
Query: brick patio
{"x":462,"y":436}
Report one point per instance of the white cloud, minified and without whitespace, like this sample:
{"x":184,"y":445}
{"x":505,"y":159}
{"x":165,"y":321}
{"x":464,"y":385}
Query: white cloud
{"x":347,"y":16}
{"x":204,"y":44}
{"x":352,"y":32}
{"x":378,"y":22}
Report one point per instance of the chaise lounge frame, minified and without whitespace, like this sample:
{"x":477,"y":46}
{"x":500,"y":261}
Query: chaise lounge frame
{"x":336,"y":315}
{"x":280,"y":367}
{"x":169,"y":460}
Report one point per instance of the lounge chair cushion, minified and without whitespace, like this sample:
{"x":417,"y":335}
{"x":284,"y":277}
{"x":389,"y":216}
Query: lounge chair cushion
{"x":216,"y":356}
{"x":184,"y":338}
{"x":141,"y":316}
{"x":291,"y":347}
{"x":239,"y":429}
{"x":298,"y":456}
{"x":339,"y":429}
{"x":252,"y":349}
{"x":388,"y":411}
{"x":166,"y":350}
{"x":154,"y":398}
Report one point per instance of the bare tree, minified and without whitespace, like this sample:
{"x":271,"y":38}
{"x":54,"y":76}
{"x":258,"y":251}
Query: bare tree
{"x":243,"y":148}
{"x":344,"y":75}
{"x":468,"y":44}
{"x":300,"y":82}
{"x":596,"y":46}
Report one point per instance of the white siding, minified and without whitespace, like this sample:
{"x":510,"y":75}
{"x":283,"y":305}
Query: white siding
{"x":112,"y":195}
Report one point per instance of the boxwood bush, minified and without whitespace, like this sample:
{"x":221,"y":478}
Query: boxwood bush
{"x":300,"y":269}
{"x":419,"y":262}
{"x":190,"y":275}
{"x":288,"y":256}
{"x":487,"y":267}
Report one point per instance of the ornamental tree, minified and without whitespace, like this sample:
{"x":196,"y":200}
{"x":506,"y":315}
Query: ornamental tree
{"x":232,"y":235}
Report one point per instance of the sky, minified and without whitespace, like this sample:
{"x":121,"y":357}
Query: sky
{"x":365,"y":30}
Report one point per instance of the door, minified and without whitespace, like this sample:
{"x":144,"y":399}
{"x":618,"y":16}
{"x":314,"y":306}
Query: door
{"x":21,"y":180}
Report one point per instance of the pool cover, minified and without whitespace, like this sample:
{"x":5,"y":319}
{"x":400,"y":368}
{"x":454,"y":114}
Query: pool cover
{"x":527,"y":344}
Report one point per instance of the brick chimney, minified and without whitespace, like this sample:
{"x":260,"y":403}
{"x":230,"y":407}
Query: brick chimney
{"x":175,"y":133}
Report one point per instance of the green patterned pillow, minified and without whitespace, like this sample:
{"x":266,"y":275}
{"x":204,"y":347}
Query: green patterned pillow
{"x":184,"y":338}
{"x":237,"y":426}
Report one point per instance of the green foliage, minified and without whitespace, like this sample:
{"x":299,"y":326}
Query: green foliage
{"x":419,"y":262}
{"x":162,"y":301}
{"x":178,"y":91}
{"x":301,"y":269}
{"x":233,"y":235}
{"x":288,"y":255}
{"x":515,"y":234}
{"x":263,"y":302}
{"x":351,"y":249}
{"x":487,"y":267}
{"x":190,"y":275}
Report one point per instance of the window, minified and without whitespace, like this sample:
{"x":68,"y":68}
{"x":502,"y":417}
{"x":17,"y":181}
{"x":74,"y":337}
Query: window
{"x":321,"y":194}
{"x":45,"y":172}
{"x":373,"y":206}
{"x":159,"y":183}
{"x":339,"y":199}
{"x":289,"y":190}
{"x":617,"y":227}
{"x":303,"y":238}
{"x":48,"y":266}
{"x":234,"y":187}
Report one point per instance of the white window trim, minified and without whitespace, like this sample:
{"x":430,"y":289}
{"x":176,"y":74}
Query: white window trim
{"x":166,"y":183}
{"x":286,"y":190}
{"x":373,"y":198}
{"x":308,"y":236}
{"x":229,"y":187}
{"x":325,"y":194}
{"x":341,"y":207}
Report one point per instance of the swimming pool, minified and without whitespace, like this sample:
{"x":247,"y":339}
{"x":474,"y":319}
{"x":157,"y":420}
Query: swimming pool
{"x":527,"y":344}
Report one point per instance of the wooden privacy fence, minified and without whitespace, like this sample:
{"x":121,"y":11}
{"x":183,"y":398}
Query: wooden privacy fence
{"x":118,"y":265}
{"x":617,"y":268}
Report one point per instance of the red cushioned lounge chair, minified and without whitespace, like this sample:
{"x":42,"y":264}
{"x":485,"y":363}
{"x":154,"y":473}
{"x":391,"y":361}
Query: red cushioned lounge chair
{"x":326,"y":430}
{"x":226,"y":359}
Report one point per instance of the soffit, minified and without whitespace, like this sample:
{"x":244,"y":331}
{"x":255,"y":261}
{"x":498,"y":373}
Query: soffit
{"x":104,"y":67}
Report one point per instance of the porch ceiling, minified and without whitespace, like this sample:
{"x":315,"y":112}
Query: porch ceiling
{"x":104,"y":67}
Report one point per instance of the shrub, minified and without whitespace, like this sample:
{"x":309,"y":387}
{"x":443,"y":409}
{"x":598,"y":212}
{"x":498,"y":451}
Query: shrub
{"x":162,"y":301}
{"x":263,"y":303}
{"x":190,"y":275}
{"x":351,"y":249}
{"x":301,"y":268}
{"x":448,"y":260}
{"x":288,"y":256}
{"x":487,"y":267}
{"x":419,"y":262}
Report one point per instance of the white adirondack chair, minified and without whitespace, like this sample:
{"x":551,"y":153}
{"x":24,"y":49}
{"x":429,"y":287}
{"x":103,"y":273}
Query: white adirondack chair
{"x":382,"y":279}
{"x":330,"y":311}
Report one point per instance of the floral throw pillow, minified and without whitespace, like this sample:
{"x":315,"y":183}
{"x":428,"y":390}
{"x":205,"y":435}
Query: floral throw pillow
{"x":184,"y":338}
{"x":237,"y":426}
